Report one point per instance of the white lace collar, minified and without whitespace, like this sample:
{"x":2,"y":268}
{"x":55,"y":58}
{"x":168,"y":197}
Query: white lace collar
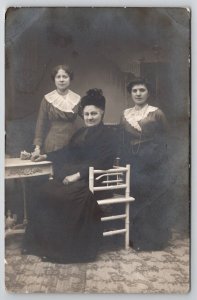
{"x":64,"y":103}
{"x":133,"y":116}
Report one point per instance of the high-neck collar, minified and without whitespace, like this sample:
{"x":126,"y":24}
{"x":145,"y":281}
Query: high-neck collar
{"x":65,"y":103}
{"x":62,"y":94}
{"x":140,"y":108}
{"x":133,"y":116}
{"x":100,"y":125}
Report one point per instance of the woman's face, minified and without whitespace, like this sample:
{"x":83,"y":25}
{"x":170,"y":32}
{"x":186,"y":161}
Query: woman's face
{"x":139,"y":94}
{"x":62,"y":80}
{"x":92,"y":115}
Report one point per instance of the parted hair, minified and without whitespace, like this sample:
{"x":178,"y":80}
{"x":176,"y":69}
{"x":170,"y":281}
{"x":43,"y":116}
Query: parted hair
{"x":66,"y":68}
{"x":139,"y":80}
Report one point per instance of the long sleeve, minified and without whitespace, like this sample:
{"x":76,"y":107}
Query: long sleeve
{"x":94,"y":147}
{"x":162,"y":127}
{"x":120,"y":140}
{"x":101,"y":156}
{"x":161,"y":118}
{"x":41,"y":125}
{"x":59,"y":156}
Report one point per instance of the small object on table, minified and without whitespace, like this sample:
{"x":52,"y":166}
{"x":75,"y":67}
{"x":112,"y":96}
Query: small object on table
{"x":25,"y":155}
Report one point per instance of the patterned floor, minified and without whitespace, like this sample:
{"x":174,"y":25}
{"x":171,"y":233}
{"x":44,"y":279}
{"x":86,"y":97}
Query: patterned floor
{"x":117,"y":271}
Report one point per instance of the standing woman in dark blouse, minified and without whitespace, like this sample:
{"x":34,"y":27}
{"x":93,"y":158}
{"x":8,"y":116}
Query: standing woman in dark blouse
{"x":145,"y":148}
{"x":57,"y":114}
{"x":65,"y":224}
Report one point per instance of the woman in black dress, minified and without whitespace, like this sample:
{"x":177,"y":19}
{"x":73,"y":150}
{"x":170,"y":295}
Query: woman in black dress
{"x":145,"y":148}
{"x":65,"y":226}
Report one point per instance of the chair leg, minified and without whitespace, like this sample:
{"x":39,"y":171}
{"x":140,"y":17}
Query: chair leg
{"x":127,"y":227}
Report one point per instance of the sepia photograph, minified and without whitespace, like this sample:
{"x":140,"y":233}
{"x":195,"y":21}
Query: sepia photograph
{"x":97,"y":150}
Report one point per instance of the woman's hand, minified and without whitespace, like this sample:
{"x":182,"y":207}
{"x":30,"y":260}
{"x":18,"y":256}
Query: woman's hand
{"x":39,"y":157}
{"x":36,"y":153}
{"x":71,"y":178}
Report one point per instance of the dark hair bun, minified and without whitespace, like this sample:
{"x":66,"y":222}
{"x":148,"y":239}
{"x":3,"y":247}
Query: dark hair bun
{"x":95,"y":92}
{"x":93,"y":97}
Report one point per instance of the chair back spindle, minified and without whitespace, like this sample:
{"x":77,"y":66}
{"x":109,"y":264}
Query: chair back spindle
{"x":117,"y":178}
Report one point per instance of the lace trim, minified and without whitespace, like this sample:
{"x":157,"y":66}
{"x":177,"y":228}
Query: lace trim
{"x":133,"y":116}
{"x":64,"y":103}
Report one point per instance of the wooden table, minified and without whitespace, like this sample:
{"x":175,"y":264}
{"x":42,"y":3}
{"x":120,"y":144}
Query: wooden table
{"x":17,"y":168}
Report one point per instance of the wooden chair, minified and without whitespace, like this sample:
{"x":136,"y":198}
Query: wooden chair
{"x":117,"y":178}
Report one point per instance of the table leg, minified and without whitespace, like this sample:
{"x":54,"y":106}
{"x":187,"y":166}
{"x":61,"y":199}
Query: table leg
{"x":25,"y":220}
{"x":12,"y":227}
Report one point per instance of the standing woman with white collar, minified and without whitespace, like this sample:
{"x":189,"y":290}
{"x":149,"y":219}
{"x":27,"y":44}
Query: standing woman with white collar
{"x":57,"y":114}
{"x":145,"y":148}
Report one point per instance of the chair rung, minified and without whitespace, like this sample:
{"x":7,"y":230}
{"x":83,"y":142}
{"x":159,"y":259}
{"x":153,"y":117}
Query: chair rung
{"x":14,"y":231}
{"x":113,"y":217}
{"x":110,"y":187}
{"x":119,"y":231}
{"x":112,"y":181}
{"x":119,"y":169}
{"x":109,"y":174}
{"x":115,"y":200}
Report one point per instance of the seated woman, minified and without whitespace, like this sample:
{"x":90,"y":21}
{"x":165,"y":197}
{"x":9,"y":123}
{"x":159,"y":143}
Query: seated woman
{"x":65,"y":224}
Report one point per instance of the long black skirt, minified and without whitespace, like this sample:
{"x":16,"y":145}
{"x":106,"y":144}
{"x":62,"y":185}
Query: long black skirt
{"x":64,"y":224}
{"x":150,"y":212}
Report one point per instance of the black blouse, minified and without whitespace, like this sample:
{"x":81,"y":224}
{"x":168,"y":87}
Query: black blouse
{"x":90,"y":146}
